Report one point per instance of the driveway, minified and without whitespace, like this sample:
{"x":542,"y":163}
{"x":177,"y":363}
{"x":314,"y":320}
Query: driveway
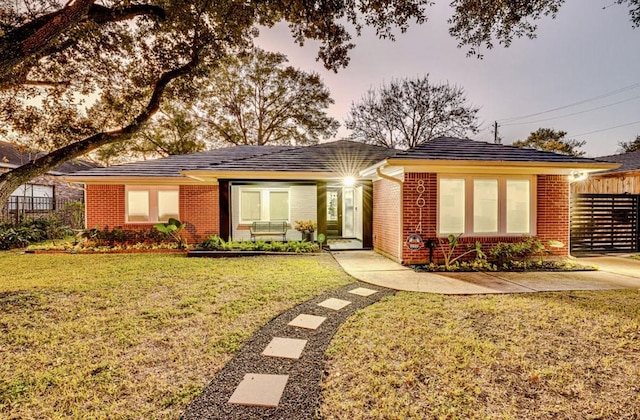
{"x":614,"y":273}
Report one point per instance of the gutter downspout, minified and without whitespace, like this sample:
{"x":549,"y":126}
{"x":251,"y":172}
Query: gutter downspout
{"x":400,"y":182}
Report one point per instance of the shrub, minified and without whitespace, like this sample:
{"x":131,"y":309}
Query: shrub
{"x":215,"y":243}
{"x":508,"y":253}
{"x":30,"y":231}
{"x":118,"y":237}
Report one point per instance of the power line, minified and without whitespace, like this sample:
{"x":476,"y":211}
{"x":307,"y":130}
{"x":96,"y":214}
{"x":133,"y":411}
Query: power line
{"x":572,"y":114}
{"x":595,"y":98}
{"x":606,"y":129}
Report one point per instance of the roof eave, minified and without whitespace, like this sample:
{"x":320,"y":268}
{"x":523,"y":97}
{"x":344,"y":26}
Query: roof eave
{"x":499,"y":167}
{"x":207,"y":175}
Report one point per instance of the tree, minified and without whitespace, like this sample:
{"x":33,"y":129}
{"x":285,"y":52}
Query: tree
{"x":255,"y":99}
{"x":629,"y":146}
{"x":125,"y":56}
{"x":482,"y":24}
{"x":406,"y":113}
{"x":174,"y":130}
{"x":547,"y":139}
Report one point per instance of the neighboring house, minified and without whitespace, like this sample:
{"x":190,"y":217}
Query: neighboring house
{"x":389,"y":199}
{"x":622,"y":180}
{"x":42,"y":193}
{"x":606,"y":208}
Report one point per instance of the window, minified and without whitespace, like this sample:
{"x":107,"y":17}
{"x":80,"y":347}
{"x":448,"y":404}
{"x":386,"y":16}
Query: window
{"x":146,"y":204}
{"x":485,"y":205}
{"x":32,"y":197}
{"x":267,"y":204}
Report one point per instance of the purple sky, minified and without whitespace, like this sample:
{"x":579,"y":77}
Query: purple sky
{"x":586,"y":52}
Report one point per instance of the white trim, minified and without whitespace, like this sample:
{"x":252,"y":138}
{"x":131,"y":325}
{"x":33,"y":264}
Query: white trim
{"x":502,"y":204}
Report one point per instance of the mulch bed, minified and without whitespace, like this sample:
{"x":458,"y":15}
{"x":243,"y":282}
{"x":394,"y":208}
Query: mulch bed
{"x":301,"y":397}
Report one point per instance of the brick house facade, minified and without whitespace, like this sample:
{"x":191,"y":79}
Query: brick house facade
{"x":504,"y":193}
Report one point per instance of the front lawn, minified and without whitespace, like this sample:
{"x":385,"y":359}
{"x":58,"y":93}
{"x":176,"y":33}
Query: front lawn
{"x":549,"y":355}
{"x":134,"y":336}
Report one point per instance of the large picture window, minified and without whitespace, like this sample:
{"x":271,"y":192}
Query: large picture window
{"x":485,"y":205}
{"x":151,"y":204}
{"x":266,"y":204}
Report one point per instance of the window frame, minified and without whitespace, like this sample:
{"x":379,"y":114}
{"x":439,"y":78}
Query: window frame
{"x":153,"y":201}
{"x":265,"y":201}
{"x":502,"y":204}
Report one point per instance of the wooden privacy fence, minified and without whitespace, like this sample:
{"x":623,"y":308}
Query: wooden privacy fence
{"x":603,"y":223}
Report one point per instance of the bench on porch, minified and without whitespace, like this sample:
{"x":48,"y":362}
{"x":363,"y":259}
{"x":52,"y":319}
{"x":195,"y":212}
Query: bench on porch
{"x":268,"y":229}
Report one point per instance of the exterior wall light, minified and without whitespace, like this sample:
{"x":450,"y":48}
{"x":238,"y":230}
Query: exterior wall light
{"x":577,"y":176}
{"x":349,"y":181}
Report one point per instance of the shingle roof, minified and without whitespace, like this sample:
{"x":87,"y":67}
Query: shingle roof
{"x":448,"y":148}
{"x":630,"y":162}
{"x":12,"y":155}
{"x":172,"y":165}
{"x":339,"y":157}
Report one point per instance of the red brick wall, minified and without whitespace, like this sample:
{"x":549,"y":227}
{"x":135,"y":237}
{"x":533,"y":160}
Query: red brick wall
{"x":419,"y":203}
{"x":386,"y":217}
{"x":199,"y":208}
{"x":104,"y":206}
{"x":553,"y":210}
{"x":552,"y":220}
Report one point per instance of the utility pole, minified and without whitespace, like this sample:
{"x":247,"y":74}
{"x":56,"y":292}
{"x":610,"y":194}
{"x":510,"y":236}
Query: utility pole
{"x":496,"y":138}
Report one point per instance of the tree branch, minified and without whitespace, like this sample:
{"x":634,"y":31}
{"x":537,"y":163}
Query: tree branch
{"x":11,"y":180}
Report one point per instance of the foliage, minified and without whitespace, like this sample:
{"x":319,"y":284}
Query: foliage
{"x":305,"y":225}
{"x":630,"y":146}
{"x":410,"y":112}
{"x":215,"y":243}
{"x":30,"y":231}
{"x":84,"y":74}
{"x":449,"y":247}
{"x":174,"y":130}
{"x":118,"y":237}
{"x":81,"y":333}
{"x":254,"y":99}
{"x":549,"y":140}
{"x":173,"y":228}
{"x":507,"y":252}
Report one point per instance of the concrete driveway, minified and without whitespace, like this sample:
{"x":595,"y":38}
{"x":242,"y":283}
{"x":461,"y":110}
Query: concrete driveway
{"x":614,"y":273}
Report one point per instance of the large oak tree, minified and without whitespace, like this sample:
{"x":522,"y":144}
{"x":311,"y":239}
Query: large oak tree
{"x":123,"y":55}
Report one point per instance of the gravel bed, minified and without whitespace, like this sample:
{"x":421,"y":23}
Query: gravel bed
{"x":301,"y":397}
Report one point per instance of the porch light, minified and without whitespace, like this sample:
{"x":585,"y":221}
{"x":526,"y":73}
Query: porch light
{"x":577,"y":176}
{"x":349,"y":181}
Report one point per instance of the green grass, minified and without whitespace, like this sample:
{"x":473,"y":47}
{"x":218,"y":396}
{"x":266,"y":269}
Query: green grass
{"x":134,"y":336}
{"x":548,"y":355}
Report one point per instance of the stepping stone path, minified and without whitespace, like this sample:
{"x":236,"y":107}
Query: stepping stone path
{"x":301,"y":333}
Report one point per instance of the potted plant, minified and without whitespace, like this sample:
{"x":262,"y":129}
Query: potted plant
{"x":306,"y":227}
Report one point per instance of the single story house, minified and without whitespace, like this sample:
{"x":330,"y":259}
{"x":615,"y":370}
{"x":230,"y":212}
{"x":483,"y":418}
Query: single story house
{"x":42,"y":193}
{"x":391,"y":200}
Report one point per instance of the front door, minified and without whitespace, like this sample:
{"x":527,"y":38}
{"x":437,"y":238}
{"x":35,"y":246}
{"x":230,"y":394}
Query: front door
{"x":334,"y":212}
{"x":348,"y":213}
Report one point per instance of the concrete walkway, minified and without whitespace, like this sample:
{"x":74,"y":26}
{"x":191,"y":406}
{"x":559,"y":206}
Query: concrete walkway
{"x":370,"y":267}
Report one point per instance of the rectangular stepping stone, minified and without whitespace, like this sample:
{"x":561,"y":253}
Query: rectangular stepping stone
{"x":335,"y":304}
{"x":310,"y":322}
{"x":363,"y":291}
{"x":259,"y":390}
{"x":288,"y":348}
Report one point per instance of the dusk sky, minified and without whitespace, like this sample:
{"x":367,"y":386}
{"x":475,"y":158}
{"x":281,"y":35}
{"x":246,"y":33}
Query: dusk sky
{"x":588,"y":54}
